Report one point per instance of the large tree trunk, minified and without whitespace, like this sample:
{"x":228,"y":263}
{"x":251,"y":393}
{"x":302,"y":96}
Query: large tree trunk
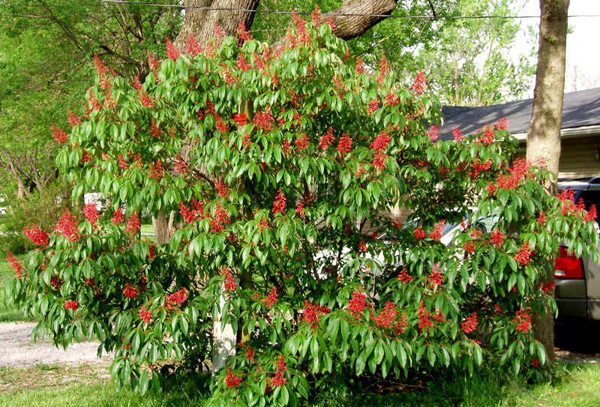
{"x":543,"y":138}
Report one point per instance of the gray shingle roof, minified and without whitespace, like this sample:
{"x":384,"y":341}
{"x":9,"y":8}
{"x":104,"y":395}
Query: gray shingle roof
{"x":579,"y":109}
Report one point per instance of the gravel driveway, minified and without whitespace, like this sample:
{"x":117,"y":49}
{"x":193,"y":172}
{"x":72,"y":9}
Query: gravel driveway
{"x":17,"y":349}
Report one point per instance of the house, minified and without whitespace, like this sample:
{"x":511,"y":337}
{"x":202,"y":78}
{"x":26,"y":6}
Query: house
{"x":580,"y":155}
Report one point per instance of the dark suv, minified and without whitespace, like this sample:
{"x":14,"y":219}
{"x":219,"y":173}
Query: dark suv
{"x":578,"y":279}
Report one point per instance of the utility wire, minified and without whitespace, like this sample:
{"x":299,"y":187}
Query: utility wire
{"x":415,"y":16}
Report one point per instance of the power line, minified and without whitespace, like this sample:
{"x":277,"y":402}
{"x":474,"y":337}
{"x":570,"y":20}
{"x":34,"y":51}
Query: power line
{"x":285,"y":12}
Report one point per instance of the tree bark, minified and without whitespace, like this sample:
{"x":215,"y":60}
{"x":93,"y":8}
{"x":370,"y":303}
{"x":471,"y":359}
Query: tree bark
{"x":161,"y":228}
{"x":543,"y":138}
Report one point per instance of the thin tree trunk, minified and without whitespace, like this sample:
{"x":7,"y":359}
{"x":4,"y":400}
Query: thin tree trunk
{"x":543,"y":138}
{"x":161,"y":228}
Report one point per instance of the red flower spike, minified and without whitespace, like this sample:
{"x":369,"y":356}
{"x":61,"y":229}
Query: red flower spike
{"x":344,"y":144}
{"x":419,"y":84}
{"x":357,"y":304}
{"x":387,"y":316}
{"x":130,"y":291}
{"x":192,"y":47}
{"x":176,"y":298}
{"x":501,"y":124}
{"x":14,"y":264}
{"x":425,"y":321}
{"x":326,"y":139}
{"x":222,"y":189}
{"x":302,"y":142}
{"x":231,"y":380}
{"x":230,"y":284}
{"x":73,"y":120}
{"x":524,"y":254}
{"x":242,"y":33}
{"x":133,"y":224}
{"x":117,"y":217}
{"x":67,"y":226}
{"x":91,"y":213}
{"x":419,"y":233}
{"x":359,"y":67}
{"x":488,"y":136}
{"x":271,"y":299}
{"x":591,"y":214}
{"x":404,"y":277}
{"x":155,"y":131}
{"x":458,"y":135}
{"x":433,"y":133}
{"x":300,"y":209}
{"x":315,"y":16}
{"x":240,"y":119}
{"x":497,"y":238}
{"x":523,"y":321}
{"x":220,"y":219}
{"x":435,"y":277}
{"x":379,"y":160}
{"x":286,"y":147}
{"x":145,"y":315}
{"x":279,"y":203}
{"x":470,"y":324}
{"x":59,"y":135}
{"x":469,"y":247}
{"x":437,"y":230}
{"x":36,"y":235}
{"x":71,"y":304}
{"x":312,"y":312}
{"x":381,"y":141}
{"x":242,"y":63}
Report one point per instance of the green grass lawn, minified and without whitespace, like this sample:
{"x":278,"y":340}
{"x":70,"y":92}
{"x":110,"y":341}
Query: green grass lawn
{"x":87,"y":386}
{"x":7,"y":314}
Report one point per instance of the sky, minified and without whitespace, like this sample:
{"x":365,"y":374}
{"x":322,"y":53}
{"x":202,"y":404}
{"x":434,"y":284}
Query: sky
{"x":583,"y":44}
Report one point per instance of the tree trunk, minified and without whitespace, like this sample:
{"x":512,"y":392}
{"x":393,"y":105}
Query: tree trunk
{"x":161,"y":228}
{"x":543,"y":138}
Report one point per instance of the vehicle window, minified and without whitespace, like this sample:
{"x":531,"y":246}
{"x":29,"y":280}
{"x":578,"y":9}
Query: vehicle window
{"x":589,"y":198}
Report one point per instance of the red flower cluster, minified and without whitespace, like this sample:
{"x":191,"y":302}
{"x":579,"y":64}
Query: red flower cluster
{"x":264,"y":121}
{"x":222,"y":188}
{"x":231,"y":380}
{"x":477,"y":167}
{"x":300,"y":209}
{"x":387,"y":316}
{"x":250,"y":353}
{"x":469,"y":246}
{"x":419,"y":233}
{"x":523,"y":321}
{"x":91,"y":213}
{"x":242,"y":33}
{"x":279,"y":203}
{"x":155,"y":131}
{"x":384,"y":68}
{"x":470,"y":324}
{"x":548,"y":287}
{"x":133,"y":223}
{"x":435,"y":277}
{"x":381,"y":141}
{"x":590,"y":214}
{"x":73,"y":120}
{"x":130,"y":291}
{"x":344,"y":144}
{"x":359,"y":67}
{"x":220,"y":219}
{"x":497,"y":238}
{"x":285,"y":146}
{"x":379,"y":160}
{"x":67,"y":226}
{"x":181,"y":167}
{"x":501,"y":124}
{"x":156,"y":171}
{"x":145,"y":315}
{"x":373,"y":106}
{"x":117,"y":217}
{"x":230,"y":284}
{"x":404,"y":277}
{"x":154,"y":64}
{"x":326,"y":139}
{"x":437,"y":230}
{"x":36,"y":235}
{"x":242,"y":63}
{"x":14,"y":264}
{"x":458,"y":135}
{"x":192,"y":47}
{"x":302,"y":142}
{"x":433,"y":133}
{"x":419,"y":83}
{"x":278,"y":379}
{"x":488,"y":135}
{"x":517,"y":172}
{"x":357,"y":304}
{"x":424,"y":317}
{"x":178,"y":297}
{"x":71,"y":304}
{"x":271,"y":299}
{"x":523,"y":256}
{"x":312,"y":312}
{"x":59,"y":135}
{"x":392,"y":99}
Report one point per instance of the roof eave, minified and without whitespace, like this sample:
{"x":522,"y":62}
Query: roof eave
{"x":569,"y":132}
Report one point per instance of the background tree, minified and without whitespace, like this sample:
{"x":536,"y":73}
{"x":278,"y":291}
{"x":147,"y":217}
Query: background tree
{"x":543,"y":136}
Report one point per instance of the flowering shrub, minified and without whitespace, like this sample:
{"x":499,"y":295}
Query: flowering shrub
{"x":280,"y":164}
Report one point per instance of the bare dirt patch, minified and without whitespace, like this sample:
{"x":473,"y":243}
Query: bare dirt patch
{"x":17,"y":349}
